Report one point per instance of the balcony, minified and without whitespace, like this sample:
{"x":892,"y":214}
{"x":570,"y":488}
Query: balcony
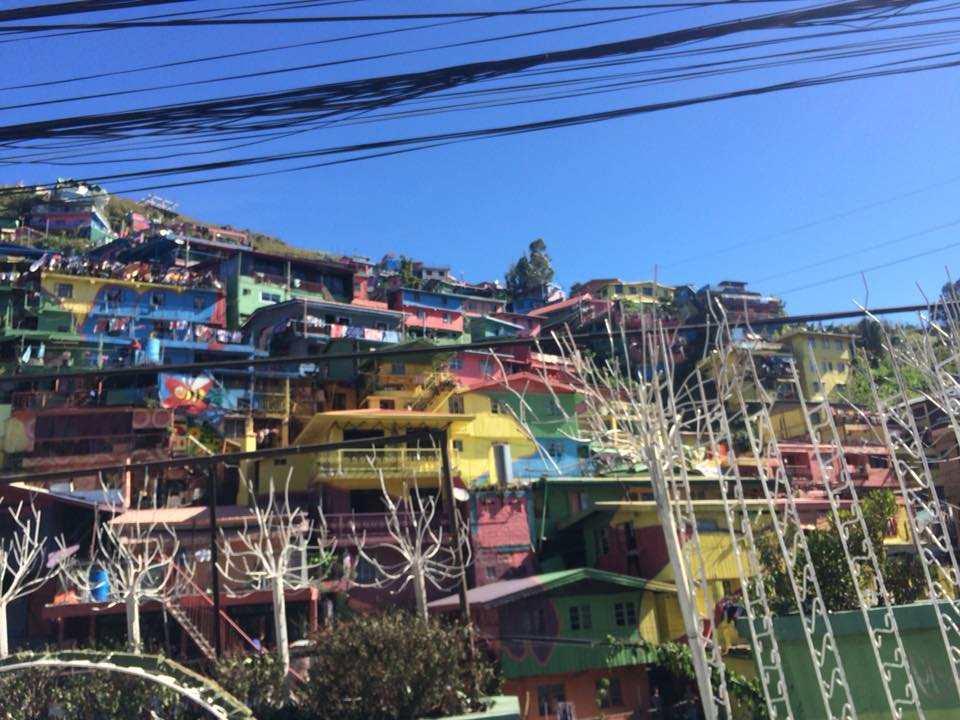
{"x":394,"y":462}
{"x":371,"y":527}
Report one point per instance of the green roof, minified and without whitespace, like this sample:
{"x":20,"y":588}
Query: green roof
{"x":505,"y":592}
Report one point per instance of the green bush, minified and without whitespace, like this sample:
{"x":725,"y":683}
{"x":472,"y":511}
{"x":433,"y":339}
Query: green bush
{"x":257,"y":681}
{"x":392,"y":667}
{"x":82,"y":695}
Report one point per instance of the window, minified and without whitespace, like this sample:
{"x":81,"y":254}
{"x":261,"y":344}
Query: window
{"x":816,"y":387}
{"x":648,"y":291}
{"x":813,"y":366}
{"x":601,"y":541}
{"x":455,"y":405}
{"x":456,"y":363}
{"x":398,"y":368}
{"x":279,"y":461}
{"x":366,"y":571}
{"x":113,"y":296}
{"x":486,"y":367}
{"x":494,"y":406}
{"x":625,"y":614}
{"x":826,"y":344}
{"x":270,"y":297}
{"x":64,"y":290}
{"x":618,"y":289}
{"x":553,"y":409}
{"x":421,"y":315}
{"x":580,"y":617}
{"x":547,"y":698}
{"x":841,"y":367}
{"x":491,"y":572}
{"x":839,"y":345}
{"x":246,"y":291}
{"x":533,"y":621}
{"x":812,"y":342}
{"x":609,"y":693}
{"x":198,"y":302}
{"x":471,"y":306}
{"x":632,"y":290}
{"x":446,"y":318}
{"x":458,"y":445}
{"x":156,"y":299}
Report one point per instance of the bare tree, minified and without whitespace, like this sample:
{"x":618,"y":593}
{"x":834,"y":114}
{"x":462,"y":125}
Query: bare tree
{"x":137,"y":560}
{"x":421,"y":551}
{"x":283,"y":549}
{"x":21,"y":564}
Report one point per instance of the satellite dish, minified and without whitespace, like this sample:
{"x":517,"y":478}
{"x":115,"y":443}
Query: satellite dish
{"x":461,"y":494}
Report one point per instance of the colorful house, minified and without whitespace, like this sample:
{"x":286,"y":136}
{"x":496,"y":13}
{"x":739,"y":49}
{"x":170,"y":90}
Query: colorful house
{"x":129,"y":322}
{"x":644,"y":292}
{"x":75,"y":209}
{"x":823,"y":361}
{"x":430,"y":314}
{"x":564,"y":636}
{"x":256,"y":279}
{"x":545,"y":416}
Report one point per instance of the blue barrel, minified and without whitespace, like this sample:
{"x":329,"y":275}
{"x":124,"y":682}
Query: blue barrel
{"x":99,"y":584}
{"x":153,"y":351}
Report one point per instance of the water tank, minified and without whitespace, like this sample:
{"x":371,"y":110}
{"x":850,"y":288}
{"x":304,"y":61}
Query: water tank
{"x":502,"y":464}
{"x":99,"y":584}
{"x":153,"y":351}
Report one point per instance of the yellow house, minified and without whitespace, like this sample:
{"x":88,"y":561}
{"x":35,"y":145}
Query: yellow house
{"x":644,"y":292}
{"x":358,"y":468}
{"x":409,"y":382}
{"x":822,"y":359}
{"x":475,"y":436}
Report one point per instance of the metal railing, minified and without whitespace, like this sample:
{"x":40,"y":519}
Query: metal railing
{"x":392,"y":461}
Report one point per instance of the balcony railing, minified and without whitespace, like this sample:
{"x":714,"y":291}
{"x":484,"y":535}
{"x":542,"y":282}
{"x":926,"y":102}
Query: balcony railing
{"x":392,"y":461}
{"x":370,"y":526}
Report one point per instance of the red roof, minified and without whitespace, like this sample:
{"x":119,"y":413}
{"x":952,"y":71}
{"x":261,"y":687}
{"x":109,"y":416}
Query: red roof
{"x":553,"y":307}
{"x":525,"y":381}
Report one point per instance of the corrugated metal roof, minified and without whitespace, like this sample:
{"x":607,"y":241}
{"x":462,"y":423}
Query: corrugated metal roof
{"x":507,"y":591}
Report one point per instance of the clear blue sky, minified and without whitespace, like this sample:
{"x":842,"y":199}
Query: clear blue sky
{"x":753,"y":189}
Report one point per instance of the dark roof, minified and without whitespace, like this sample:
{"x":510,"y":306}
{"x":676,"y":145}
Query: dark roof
{"x":505,"y":592}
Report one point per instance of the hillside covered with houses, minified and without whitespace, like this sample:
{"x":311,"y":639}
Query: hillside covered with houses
{"x":163,"y":376}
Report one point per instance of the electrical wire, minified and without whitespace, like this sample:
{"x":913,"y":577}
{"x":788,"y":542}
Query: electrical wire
{"x":250,"y":364}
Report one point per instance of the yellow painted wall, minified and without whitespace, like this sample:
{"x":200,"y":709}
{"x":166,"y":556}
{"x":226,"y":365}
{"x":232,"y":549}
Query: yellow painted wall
{"x":479,"y":435}
{"x":633,"y":292}
{"x":832,"y":353}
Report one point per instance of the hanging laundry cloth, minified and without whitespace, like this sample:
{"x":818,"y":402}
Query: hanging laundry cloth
{"x":373,"y":334}
{"x":337,"y":331}
{"x":355,"y":332}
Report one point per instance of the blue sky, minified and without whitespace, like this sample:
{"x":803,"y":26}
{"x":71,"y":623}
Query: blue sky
{"x":754,"y":189}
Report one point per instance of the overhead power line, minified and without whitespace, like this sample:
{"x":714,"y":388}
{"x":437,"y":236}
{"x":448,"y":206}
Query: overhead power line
{"x":255,"y":111}
{"x":202,"y":22}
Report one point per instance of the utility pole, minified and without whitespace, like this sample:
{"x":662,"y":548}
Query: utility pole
{"x":453,"y":517}
{"x":214,"y":558}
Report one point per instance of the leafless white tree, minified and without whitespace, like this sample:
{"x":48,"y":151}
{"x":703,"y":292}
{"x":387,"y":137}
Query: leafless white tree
{"x":281,"y":550}
{"x":420,"y":549}
{"x":137,"y":558}
{"x":21,"y":563}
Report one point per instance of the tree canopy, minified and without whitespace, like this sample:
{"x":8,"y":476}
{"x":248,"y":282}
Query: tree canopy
{"x":532,"y":272}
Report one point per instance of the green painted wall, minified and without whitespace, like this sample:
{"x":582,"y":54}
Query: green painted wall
{"x":926,"y":657}
{"x":575,"y":652}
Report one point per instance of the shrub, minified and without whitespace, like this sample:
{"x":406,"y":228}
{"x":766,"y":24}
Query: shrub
{"x":90,"y":695}
{"x":258,"y":681}
{"x":393,"y":667}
